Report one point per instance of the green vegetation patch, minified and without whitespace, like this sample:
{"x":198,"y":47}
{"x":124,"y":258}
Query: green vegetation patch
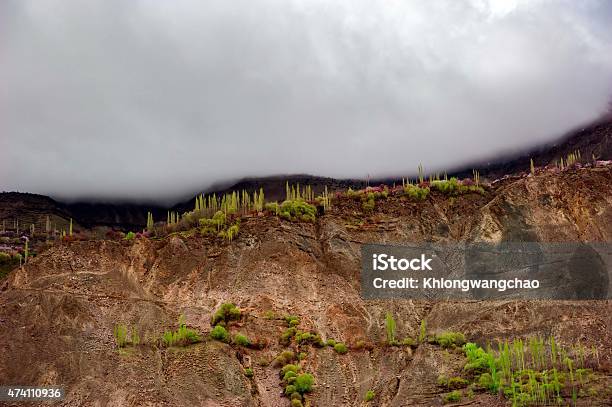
{"x":123,"y":336}
{"x":450,"y":339}
{"x":390,"y":328}
{"x":241,"y":340}
{"x":219,"y":333}
{"x":312,"y":338}
{"x":303,"y":383}
{"x":284,"y":358}
{"x":287,"y":335}
{"x":297,"y":210}
{"x":453,"y":383}
{"x":340,"y":348}
{"x":454,"y":187}
{"x":416,"y":192}
{"x":292,"y":320}
{"x":183,"y":336}
{"x":534,"y":371}
{"x":452,"y":397}
{"x":227,"y":312}
{"x":130,"y":236}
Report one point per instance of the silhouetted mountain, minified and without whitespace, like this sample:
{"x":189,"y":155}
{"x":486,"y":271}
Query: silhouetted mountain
{"x":34,"y":209}
{"x":592,"y":140}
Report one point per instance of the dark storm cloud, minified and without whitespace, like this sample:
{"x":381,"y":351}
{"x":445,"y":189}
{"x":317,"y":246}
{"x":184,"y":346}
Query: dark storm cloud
{"x":147,"y":99}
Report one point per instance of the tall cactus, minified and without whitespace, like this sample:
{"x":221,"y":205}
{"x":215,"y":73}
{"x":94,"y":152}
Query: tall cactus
{"x":421,"y":173}
{"x":150,"y":221}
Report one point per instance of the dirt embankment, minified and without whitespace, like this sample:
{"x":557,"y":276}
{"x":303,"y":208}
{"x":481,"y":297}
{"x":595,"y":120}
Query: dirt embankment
{"x":57,"y":314}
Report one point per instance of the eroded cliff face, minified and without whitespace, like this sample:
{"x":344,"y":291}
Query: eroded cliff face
{"x":57,"y":314}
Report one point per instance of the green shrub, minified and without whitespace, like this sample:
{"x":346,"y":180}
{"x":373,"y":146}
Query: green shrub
{"x":289,"y":377}
{"x":286,"y":336}
{"x":248,"y":372}
{"x":478,"y":359}
{"x":183,"y":336}
{"x":227,"y":312}
{"x":121,"y":335}
{"x":292,"y":320}
{"x":331,"y":342}
{"x":309,"y":338}
{"x":290,"y":389}
{"x":340,"y":348}
{"x":452,"y":397}
{"x":450,"y":339}
{"x":415,"y":192}
{"x":290,"y":368}
{"x":298,"y":210}
{"x":369,"y":396}
{"x":442,"y":380}
{"x":351,"y":193}
{"x":241,"y":340}
{"x":485,"y":381}
{"x":5,"y":258}
{"x":217,"y":221}
{"x":219,"y":333}
{"x":296,"y":396}
{"x":272,"y":207}
{"x":303,"y":383}
{"x":296,"y":403}
{"x":130,"y":236}
{"x":284,"y":358}
{"x":303,"y":337}
{"x":454,"y":187}
{"x":368,"y":205}
{"x":317,"y":341}
{"x":231,"y":232}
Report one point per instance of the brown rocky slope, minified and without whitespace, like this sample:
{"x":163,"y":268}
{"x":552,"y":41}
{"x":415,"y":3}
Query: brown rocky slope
{"x":57,"y":314}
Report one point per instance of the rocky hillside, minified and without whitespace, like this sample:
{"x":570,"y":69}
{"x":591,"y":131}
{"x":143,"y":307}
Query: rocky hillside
{"x":58,"y":313}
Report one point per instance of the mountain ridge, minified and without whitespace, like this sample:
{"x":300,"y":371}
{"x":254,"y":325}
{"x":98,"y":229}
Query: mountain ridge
{"x":594,"y":139}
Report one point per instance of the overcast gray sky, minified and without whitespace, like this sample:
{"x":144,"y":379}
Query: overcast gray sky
{"x":152,"y":99}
